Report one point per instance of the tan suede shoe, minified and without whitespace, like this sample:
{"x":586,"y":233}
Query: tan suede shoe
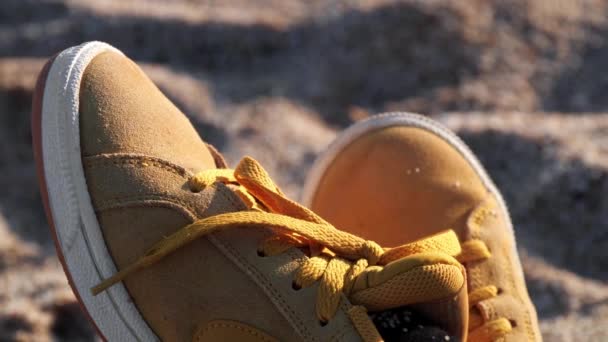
{"x":160,"y":241}
{"x":398,"y":177}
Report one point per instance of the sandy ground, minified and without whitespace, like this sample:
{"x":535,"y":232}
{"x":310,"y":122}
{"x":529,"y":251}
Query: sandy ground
{"x":521,"y":81}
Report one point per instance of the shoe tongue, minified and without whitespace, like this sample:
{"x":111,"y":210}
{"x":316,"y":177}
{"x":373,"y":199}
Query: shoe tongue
{"x":218,"y":158}
{"x":432,"y":284}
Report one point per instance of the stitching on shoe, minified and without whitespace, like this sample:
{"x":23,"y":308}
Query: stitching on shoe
{"x":262,"y":280}
{"x":511,"y":279}
{"x":158,"y":202}
{"x":119,"y":159}
{"x":344,"y":306}
{"x":136,"y":160}
{"x":258,"y":276}
{"x":240,"y":327}
{"x":518,"y":296}
{"x":339,"y":335}
{"x":118,"y":201}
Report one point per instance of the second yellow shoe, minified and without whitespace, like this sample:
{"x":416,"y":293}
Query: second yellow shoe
{"x":396,"y":178}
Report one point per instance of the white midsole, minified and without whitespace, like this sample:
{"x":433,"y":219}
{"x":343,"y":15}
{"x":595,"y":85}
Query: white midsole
{"x":402,"y":119}
{"x":80,"y":239}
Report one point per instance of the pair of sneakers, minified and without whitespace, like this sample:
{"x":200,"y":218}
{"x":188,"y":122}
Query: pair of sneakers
{"x":161,"y":240}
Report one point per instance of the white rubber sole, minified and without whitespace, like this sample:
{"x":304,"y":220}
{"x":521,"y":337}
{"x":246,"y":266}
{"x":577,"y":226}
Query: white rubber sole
{"x":80,"y":241}
{"x":401,"y":119}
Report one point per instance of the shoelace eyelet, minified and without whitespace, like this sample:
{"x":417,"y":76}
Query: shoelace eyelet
{"x":513,"y":323}
{"x":295,"y":286}
{"x":499,"y":291}
{"x":193,"y":190}
{"x":261,"y":253}
{"x":323,"y":323}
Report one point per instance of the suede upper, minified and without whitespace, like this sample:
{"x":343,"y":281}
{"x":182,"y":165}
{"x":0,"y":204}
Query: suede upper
{"x":416,"y":182}
{"x":401,"y":183}
{"x":122,"y":111}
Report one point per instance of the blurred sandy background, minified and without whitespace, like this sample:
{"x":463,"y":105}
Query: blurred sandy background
{"x":524,"y":82}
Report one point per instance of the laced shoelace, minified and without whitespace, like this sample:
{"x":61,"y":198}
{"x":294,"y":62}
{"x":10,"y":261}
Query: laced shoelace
{"x":336,"y":258}
{"x":477,"y":250}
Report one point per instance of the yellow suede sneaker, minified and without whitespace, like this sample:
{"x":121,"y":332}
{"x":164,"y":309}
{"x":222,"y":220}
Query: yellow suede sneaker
{"x":160,"y":240}
{"x":396,"y":178}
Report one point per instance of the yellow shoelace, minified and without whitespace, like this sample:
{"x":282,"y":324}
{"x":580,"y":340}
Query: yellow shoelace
{"x":336,"y":258}
{"x":479,"y":330}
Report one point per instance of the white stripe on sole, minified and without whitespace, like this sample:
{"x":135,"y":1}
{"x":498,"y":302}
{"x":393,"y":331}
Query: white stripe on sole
{"x":80,"y":239}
